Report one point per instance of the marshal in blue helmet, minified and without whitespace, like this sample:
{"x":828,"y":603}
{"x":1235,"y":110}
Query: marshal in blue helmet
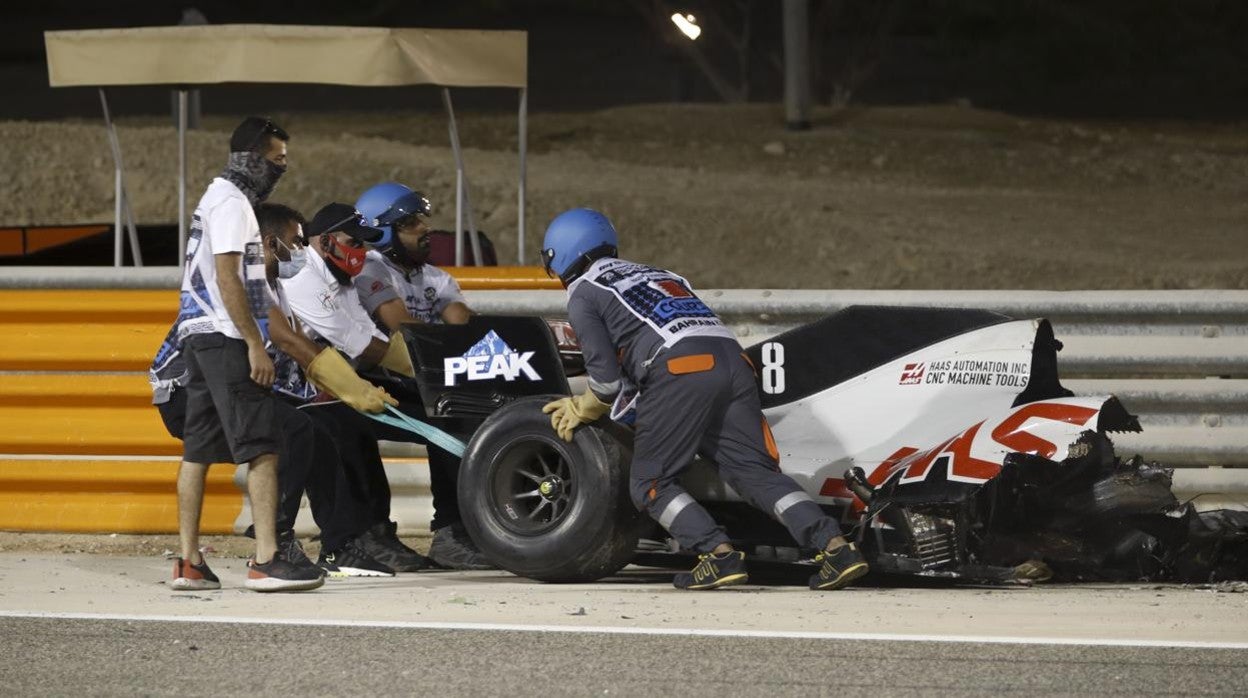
{"x":643,"y":327}
{"x":396,"y":287}
{"x":390,"y":207}
{"x":397,"y":284}
{"x":575,"y":239}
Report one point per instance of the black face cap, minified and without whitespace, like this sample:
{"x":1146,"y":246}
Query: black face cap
{"x":250,"y":136}
{"x":341,"y":218}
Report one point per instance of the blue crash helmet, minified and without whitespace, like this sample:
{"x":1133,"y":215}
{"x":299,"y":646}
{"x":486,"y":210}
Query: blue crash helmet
{"x":574,"y":239}
{"x":383,"y":204}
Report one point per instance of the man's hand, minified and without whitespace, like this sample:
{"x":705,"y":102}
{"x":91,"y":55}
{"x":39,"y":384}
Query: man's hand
{"x":368,"y":398}
{"x":568,"y":413}
{"x":262,"y":371}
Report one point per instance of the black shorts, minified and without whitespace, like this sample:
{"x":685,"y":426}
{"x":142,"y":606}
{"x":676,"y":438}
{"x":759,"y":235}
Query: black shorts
{"x":173,"y":413}
{"x":229,"y":419}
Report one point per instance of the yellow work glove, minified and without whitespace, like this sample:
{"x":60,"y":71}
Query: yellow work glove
{"x":397,"y":358}
{"x":568,"y":413}
{"x":329,"y":371}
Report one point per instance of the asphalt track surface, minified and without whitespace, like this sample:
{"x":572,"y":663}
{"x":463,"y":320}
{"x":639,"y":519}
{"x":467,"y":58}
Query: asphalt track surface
{"x":105,"y":625}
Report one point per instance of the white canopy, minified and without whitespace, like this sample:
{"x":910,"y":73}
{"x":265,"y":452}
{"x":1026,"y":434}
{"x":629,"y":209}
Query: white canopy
{"x":361,"y":56}
{"x":184,"y":56}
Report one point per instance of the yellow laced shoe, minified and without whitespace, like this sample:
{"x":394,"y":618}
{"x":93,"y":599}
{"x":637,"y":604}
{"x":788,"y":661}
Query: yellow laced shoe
{"x":838,"y":568}
{"x":714,"y":571}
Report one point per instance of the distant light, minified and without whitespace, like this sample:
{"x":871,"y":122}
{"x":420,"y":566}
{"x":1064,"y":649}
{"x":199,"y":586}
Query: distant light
{"x":687,"y":25}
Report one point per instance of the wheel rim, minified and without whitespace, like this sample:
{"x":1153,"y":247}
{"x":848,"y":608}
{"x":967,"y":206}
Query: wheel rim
{"x":532,"y":486}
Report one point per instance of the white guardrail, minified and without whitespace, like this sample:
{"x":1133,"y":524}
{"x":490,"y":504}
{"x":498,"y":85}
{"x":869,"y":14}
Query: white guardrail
{"x":1178,"y":359}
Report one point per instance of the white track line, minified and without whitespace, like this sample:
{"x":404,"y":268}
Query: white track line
{"x":613,"y":630}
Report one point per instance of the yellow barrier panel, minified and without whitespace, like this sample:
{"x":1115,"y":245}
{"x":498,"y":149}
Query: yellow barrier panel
{"x":127,"y":306}
{"x":83,"y":346}
{"x":91,"y":496}
{"x":79,"y":390}
{"x":74,"y":430}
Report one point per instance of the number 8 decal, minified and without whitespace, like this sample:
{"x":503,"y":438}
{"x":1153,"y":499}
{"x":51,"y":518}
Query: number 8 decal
{"x":773,"y":368}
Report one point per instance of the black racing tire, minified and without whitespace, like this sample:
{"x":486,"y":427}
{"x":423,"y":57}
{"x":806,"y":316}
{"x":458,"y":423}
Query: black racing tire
{"x":577,"y":523}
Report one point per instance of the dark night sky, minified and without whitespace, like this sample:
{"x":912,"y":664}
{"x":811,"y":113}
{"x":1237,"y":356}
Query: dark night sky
{"x":1118,"y":58}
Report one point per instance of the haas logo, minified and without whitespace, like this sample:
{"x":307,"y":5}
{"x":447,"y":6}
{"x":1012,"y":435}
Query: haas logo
{"x":490,"y":359}
{"x":912,"y":374}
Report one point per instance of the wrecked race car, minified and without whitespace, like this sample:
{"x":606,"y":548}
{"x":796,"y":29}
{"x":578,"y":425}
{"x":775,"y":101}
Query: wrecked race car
{"x":943,"y":438}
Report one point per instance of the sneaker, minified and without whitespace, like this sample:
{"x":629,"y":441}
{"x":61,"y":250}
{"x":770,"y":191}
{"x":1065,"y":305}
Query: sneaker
{"x":352,"y":561}
{"x":192,"y":577}
{"x":331,"y":570}
{"x":381,"y":542}
{"x":839,"y":568}
{"x":292,"y":549}
{"x":714,"y":571}
{"x":453,"y":549}
{"x":280,"y":574}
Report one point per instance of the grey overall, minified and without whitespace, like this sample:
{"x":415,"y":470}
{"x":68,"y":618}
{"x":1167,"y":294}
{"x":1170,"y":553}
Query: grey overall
{"x":697,"y":396}
{"x":688,"y":408}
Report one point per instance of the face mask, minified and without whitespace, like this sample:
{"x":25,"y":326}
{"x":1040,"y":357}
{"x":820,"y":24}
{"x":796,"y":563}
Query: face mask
{"x":352,"y":261}
{"x":255,"y":175}
{"x":268,"y":181}
{"x":288,"y":269}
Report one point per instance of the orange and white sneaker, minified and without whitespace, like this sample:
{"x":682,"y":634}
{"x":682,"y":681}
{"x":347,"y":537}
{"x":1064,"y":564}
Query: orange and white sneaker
{"x":191,"y":577}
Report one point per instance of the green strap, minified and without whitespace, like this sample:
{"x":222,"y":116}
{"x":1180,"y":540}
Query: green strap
{"x":428,"y":432}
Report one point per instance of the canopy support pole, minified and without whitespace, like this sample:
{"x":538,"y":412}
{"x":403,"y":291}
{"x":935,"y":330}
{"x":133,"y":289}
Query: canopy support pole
{"x":463,"y":204}
{"x":121,"y":202}
{"x":524,"y":133}
{"x":182,"y":118}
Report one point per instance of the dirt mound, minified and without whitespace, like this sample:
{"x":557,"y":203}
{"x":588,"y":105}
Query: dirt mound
{"x":934,"y":197}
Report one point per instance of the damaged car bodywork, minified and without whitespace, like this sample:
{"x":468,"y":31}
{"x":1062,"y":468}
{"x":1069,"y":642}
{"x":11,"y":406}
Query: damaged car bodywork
{"x":942,"y":438}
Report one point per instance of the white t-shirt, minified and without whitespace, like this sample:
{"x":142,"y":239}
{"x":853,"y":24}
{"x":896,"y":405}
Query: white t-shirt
{"x":223,"y":222}
{"x":426,"y":292}
{"x":328,"y":310}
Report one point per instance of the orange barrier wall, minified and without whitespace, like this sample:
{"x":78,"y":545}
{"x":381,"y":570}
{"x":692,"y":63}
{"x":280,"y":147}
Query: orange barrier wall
{"x":105,"y":496}
{"x":86,"y":451}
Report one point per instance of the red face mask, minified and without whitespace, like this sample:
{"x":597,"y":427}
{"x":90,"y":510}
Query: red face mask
{"x":352,"y":261}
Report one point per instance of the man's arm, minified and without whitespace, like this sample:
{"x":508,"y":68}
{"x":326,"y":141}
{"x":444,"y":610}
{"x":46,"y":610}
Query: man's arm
{"x":235,"y":298}
{"x":393,"y":313}
{"x":326,"y":367}
{"x":601,"y":362}
{"x":372,"y":354}
{"x":456,"y":313}
{"x":456,"y":310}
{"x":568,"y":413}
{"x":294,"y":344}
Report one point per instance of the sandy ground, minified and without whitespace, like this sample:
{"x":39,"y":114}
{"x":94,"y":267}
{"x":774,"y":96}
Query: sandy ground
{"x":940,"y":197}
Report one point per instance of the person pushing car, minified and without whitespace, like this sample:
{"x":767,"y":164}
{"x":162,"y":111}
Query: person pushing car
{"x":643,"y":328}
